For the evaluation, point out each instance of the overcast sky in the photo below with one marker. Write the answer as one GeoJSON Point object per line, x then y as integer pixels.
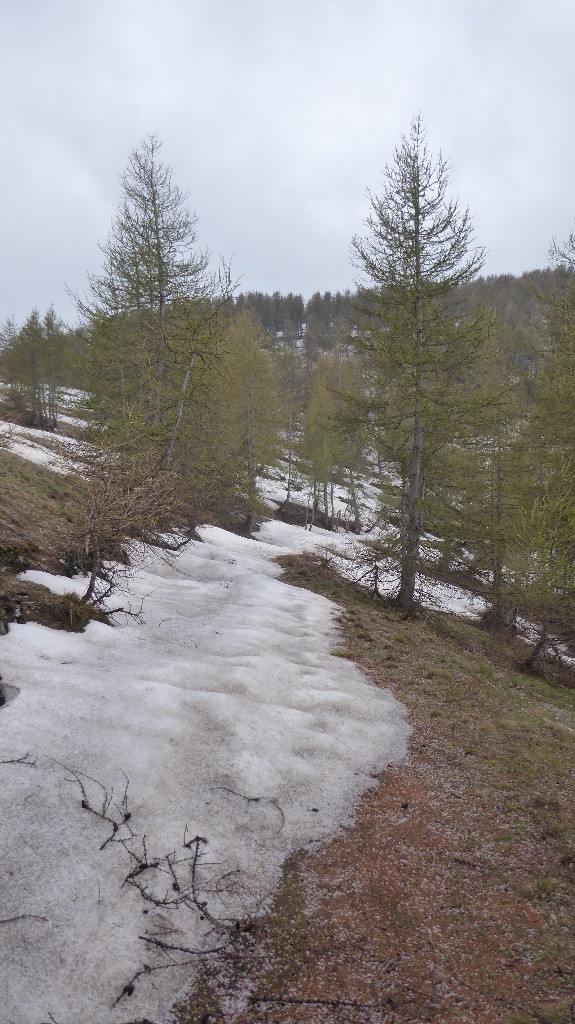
{"type": "Point", "coordinates": [276, 116]}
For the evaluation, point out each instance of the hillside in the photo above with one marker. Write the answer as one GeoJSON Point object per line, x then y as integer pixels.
{"type": "Point", "coordinates": [447, 894]}
{"type": "Point", "coordinates": [160, 764]}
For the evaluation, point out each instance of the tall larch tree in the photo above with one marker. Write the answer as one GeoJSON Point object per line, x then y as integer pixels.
{"type": "Point", "coordinates": [151, 311]}
{"type": "Point", "coordinates": [418, 250]}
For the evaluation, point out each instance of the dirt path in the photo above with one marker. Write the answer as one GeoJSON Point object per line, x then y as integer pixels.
{"type": "Point", "coordinates": [450, 896]}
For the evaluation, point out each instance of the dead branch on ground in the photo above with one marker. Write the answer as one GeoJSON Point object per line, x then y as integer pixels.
{"type": "Point", "coordinates": [25, 759]}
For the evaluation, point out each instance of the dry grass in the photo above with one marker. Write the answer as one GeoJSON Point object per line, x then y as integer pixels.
{"type": "Point", "coordinates": [451, 897]}
{"type": "Point", "coordinates": [39, 512]}
{"type": "Point", "coordinates": [40, 519]}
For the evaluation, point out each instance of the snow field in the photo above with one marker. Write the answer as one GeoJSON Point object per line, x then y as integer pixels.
{"type": "Point", "coordinates": [227, 713]}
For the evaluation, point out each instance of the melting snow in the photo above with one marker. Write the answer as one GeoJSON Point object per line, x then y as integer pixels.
{"type": "Point", "coordinates": [227, 713]}
{"type": "Point", "coordinates": [29, 443]}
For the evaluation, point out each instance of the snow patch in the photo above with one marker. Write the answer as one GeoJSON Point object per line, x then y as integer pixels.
{"type": "Point", "coordinates": [228, 713]}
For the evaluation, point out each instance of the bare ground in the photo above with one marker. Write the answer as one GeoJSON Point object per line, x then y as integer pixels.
{"type": "Point", "coordinates": [450, 896]}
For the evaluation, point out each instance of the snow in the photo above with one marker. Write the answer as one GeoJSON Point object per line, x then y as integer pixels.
{"type": "Point", "coordinates": [71, 398]}
{"type": "Point", "coordinates": [273, 490]}
{"type": "Point", "coordinates": [294, 538]}
{"type": "Point", "coordinates": [227, 712]}
{"type": "Point", "coordinates": [57, 584]}
{"type": "Point", "coordinates": [72, 421]}
{"type": "Point", "coordinates": [431, 594]}
{"type": "Point", "coordinates": [27, 442]}
{"type": "Point", "coordinates": [20, 441]}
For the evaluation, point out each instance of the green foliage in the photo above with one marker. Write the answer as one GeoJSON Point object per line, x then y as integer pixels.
{"type": "Point", "coordinates": [151, 313]}
{"type": "Point", "coordinates": [35, 361]}
{"type": "Point", "coordinates": [238, 430]}
{"type": "Point", "coordinates": [544, 560]}
{"type": "Point", "coordinates": [418, 348]}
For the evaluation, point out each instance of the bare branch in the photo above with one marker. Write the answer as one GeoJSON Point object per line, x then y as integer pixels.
{"type": "Point", "coordinates": [25, 760]}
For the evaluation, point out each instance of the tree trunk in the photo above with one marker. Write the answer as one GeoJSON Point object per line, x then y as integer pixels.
{"type": "Point", "coordinates": [412, 525]}
{"type": "Point", "coordinates": [355, 504]}
{"type": "Point", "coordinates": [412, 528]}
{"type": "Point", "coordinates": [289, 462]}
{"type": "Point", "coordinates": [539, 648]}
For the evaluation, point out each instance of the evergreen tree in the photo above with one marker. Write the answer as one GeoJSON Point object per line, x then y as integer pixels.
{"type": "Point", "coordinates": [418, 251]}
{"type": "Point", "coordinates": [484, 482]}
{"type": "Point", "coordinates": [152, 311]}
{"type": "Point", "coordinates": [292, 389]}
{"type": "Point", "coordinates": [332, 446]}
{"type": "Point", "coordinates": [239, 415]}
{"type": "Point", "coordinates": [35, 361]}
{"type": "Point", "coordinates": [319, 446]}
{"type": "Point", "coordinates": [544, 563]}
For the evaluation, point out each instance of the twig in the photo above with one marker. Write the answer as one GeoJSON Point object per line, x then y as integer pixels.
{"type": "Point", "coordinates": [180, 892]}
{"type": "Point", "coordinates": [470, 863]}
{"type": "Point", "coordinates": [255, 800]}
{"type": "Point", "coordinates": [148, 872]}
{"type": "Point", "coordinates": [23, 760]}
{"type": "Point", "coordinates": [179, 949]}
{"type": "Point", "coordinates": [530, 1011]}
{"type": "Point", "coordinates": [103, 812]}
{"type": "Point", "coordinates": [130, 986]}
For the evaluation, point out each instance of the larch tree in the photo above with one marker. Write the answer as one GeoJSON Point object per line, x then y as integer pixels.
{"type": "Point", "coordinates": [544, 565]}
{"type": "Point", "coordinates": [292, 383]}
{"type": "Point", "coordinates": [332, 446]}
{"type": "Point", "coordinates": [417, 346]}
{"type": "Point", "coordinates": [484, 478]}
{"type": "Point", "coordinates": [235, 423]}
{"type": "Point", "coordinates": [319, 445]}
{"type": "Point", "coordinates": [152, 310]}
{"type": "Point", "coordinates": [35, 360]}
{"type": "Point", "coordinates": [152, 322]}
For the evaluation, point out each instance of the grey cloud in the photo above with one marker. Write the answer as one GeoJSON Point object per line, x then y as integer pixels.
{"type": "Point", "coordinates": [276, 118]}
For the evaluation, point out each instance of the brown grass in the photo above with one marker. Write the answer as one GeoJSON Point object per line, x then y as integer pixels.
{"type": "Point", "coordinates": [39, 512]}
{"type": "Point", "coordinates": [40, 519]}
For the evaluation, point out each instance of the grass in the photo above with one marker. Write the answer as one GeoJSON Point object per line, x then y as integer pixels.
{"type": "Point", "coordinates": [40, 511]}
{"type": "Point", "coordinates": [41, 517]}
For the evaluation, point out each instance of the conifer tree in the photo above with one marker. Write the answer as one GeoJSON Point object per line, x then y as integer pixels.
{"type": "Point", "coordinates": [233, 425]}
{"type": "Point", "coordinates": [544, 563]}
{"type": "Point", "coordinates": [417, 347]}
{"type": "Point", "coordinates": [249, 406]}
{"type": "Point", "coordinates": [35, 360]}
{"type": "Point", "coordinates": [152, 310]}
{"type": "Point", "coordinates": [484, 483]}
{"type": "Point", "coordinates": [331, 444]}
{"type": "Point", "coordinates": [292, 390]}
{"type": "Point", "coordinates": [319, 445]}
